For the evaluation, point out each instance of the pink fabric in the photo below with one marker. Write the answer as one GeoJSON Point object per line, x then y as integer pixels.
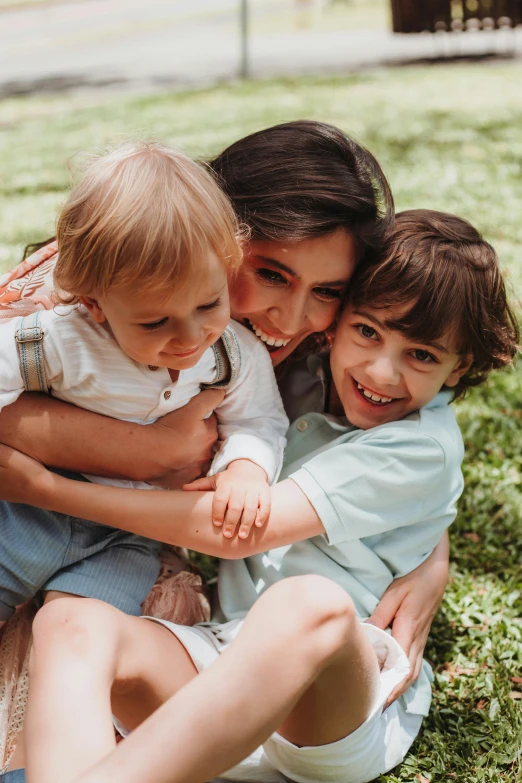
{"type": "Point", "coordinates": [29, 286]}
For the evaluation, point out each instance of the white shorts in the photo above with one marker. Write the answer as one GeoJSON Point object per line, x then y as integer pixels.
{"type": "Point", "coordinates": [377, 746]}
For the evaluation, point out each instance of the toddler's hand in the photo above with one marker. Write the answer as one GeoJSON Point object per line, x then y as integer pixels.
{"type": "Point", "coordinates": [242, 497]}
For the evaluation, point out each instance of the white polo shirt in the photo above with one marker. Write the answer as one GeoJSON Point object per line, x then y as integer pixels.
{"type": "Point", "coordinates": [86, 367]}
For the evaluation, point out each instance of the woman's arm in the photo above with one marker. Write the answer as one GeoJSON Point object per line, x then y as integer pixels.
{"type": "Point", "coordinates": [172, 451]}
{"type": "Point", "coordinates": [179, 518]}
{"type": "Point", "coordinates": [409, 606]}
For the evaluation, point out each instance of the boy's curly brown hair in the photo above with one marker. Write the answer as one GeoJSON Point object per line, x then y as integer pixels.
{"type": "Point", "coordinates": [438, 267]}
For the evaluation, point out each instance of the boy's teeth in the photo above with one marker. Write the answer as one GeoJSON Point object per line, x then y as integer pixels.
{"type": "Point", "coordinates": [266, 337]}
{"type": "Point", "coordinates": [373, 397]}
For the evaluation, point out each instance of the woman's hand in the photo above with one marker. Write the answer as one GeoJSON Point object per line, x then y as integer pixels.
{"type": "Point", "coordinates": [409, 606]}
{"type": "Point", "coordinates": [22, 478]}
{"type": "Point", "coordinates": [187, 440]}
{"type": "Point", "coordinates": [171, 452]}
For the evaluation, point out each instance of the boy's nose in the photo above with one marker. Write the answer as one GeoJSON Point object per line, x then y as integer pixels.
{"type": "Point", "coordinates": [384, 372]}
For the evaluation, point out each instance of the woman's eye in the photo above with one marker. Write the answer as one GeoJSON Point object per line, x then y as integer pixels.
{"type": "Point", "coordinates": [423, 356]}
{"type": "Point", "coordinates": [367, 331]}
{"type": "Point", "coordinates": [269, 276]}
{"type": "Point", "coordinates": [328, 294]}
{"type": "Point", "coordinates": [210, 305]}
{"type": "Point", "coordinates": [155, 324]}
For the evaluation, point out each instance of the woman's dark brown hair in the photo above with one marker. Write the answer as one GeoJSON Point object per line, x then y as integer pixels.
{"type": "Point", "coordinates": [304, 179]}
{"type": "Point", "coordinates": [446, 279]}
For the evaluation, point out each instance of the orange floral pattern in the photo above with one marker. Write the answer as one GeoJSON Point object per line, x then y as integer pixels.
{"type": "Point", "coordinates": [29, 286]}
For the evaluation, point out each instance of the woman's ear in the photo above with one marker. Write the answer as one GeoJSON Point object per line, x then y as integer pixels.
{"type": "Point", "coordinates": [466, 360]}
{"type": "Point", "coordinates": [94, 308]}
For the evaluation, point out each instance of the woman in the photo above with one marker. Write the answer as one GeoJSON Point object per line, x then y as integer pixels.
{"type": "Point", "coordinates": [316, 203]}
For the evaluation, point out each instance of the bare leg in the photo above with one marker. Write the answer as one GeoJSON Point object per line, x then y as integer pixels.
{"type": "Point", "coordinates": [18, 758]}
{"type": "Point", "coordinates": [270, 677]}
{"type": "Point", "coordinates": [77, 655]}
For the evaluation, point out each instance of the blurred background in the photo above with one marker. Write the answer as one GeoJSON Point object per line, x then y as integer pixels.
{"type": "Point", "coordinates": [434, 89]}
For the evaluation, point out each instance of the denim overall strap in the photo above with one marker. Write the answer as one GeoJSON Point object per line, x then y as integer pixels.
{"type": "Point", "coordinates": [228, 360]}
{"type": "Point", "coordinates": [29, 341]}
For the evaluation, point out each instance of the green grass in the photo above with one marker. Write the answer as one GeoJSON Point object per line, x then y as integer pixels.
{"type": "Point", "coordinates": [450, 138]}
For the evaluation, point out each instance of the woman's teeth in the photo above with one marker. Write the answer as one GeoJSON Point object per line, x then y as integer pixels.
{"type": "Point", "coordinates": [373, 397]}
{"type": "Point", "coordinates": [266, 337]}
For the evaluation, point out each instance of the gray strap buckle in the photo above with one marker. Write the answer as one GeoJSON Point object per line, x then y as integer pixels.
{"type": "Point", "coordinates": [29, 341]}
{"type": "Point", "coordinates": [228, 360]}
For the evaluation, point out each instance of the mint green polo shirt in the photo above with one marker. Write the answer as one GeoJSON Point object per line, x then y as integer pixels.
{"type": "Point", "coordinates": [384, 496]}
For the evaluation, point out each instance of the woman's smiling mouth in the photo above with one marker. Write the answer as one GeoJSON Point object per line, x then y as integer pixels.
{"type": "Point", "coordinates": [269, 340]}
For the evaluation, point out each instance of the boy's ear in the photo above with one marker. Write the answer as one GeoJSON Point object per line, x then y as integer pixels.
{"type": "Point", "coordinates": [94, 308]}
{"type": "Point", "coordinates": [466, 360]}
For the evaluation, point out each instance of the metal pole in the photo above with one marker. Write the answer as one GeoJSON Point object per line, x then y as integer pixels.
{"type": "Point", "coordinates": [245, 64]}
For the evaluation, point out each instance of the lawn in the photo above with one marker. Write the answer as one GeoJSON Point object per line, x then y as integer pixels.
{"type": "Point", "coordinates": [449, 137]}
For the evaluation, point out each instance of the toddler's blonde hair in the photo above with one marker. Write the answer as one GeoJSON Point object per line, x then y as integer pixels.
{"type": "Point", "coordinates": [142, 214]}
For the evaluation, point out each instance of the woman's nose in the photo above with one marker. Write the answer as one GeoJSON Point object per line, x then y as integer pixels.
{"type": "Point", "coordinates": [289, 316]}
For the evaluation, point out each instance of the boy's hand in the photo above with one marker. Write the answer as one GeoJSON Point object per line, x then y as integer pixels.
{"type": "Point", "coordinates": [242, 497]}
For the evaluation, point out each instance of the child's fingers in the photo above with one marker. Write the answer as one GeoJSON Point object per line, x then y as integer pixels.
{"type": "Point", "coordinates": [249, 515]}
{"type": "Point", "coordinates": [219, 505]}
{"type": "Point", "coordinates": [233, 514]}
{"type": "Point", "coordinates": [265, 504]}
{"type": "Point", "coordinates": [204, 484]}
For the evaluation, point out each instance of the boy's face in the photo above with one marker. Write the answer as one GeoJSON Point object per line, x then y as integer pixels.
{"type": "Point", "coordinates": [171, 329]}
{"type": "Point", "coordinates": [380, 374]}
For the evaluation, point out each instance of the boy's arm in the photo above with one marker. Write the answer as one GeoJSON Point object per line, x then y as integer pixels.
{"type": "Point", "coordinates": [389, 480]}
{"type": "Point", "coordinates": [252, 420]}
{"type": "Point", "coordinates": [241, 497]}
{"type": "Point", "coordinates": [179, 518]}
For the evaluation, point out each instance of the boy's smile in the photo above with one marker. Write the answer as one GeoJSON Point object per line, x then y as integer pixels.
{"type": "Point", "coordinates": [382, 375]}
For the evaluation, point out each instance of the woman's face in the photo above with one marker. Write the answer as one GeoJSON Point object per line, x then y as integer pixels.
{"type": "Point", "coordinates": [284, 292]}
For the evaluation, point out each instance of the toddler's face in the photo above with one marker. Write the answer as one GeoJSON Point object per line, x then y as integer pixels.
{"type": "Point", "coordinates": [380, 374]}
{"type": "Point", "coordinates": [170, 330]}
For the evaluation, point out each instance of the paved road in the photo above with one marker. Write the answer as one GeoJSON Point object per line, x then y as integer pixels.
{"type": "Point", "coordinates": [131, 44]}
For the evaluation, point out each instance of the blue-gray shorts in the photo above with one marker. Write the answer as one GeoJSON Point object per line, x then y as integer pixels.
{"type": "Point", "coordinates": [15, 776]}
{"type": "Point", "coordinates": [43, 550]}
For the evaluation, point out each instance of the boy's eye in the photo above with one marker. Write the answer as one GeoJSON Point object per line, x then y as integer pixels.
{"type": "Point", "coordinates": [367, 331]}
{"type": "Point", "coordinates": [270, 276]}
{"type": "Point", "coordinates": [328, 293]}
{"type": "Point", "coordinates": [210, 305]}
{"type": "Point", "coordinates": [423, 356]}
{"type": "Point", "coordinates": [155, 324]}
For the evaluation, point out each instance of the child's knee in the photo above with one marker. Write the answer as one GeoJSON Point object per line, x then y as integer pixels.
{"type": "Point", "coordinates": [78, 626]}
{"type": "Point", "coordinates": [316, 610]}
